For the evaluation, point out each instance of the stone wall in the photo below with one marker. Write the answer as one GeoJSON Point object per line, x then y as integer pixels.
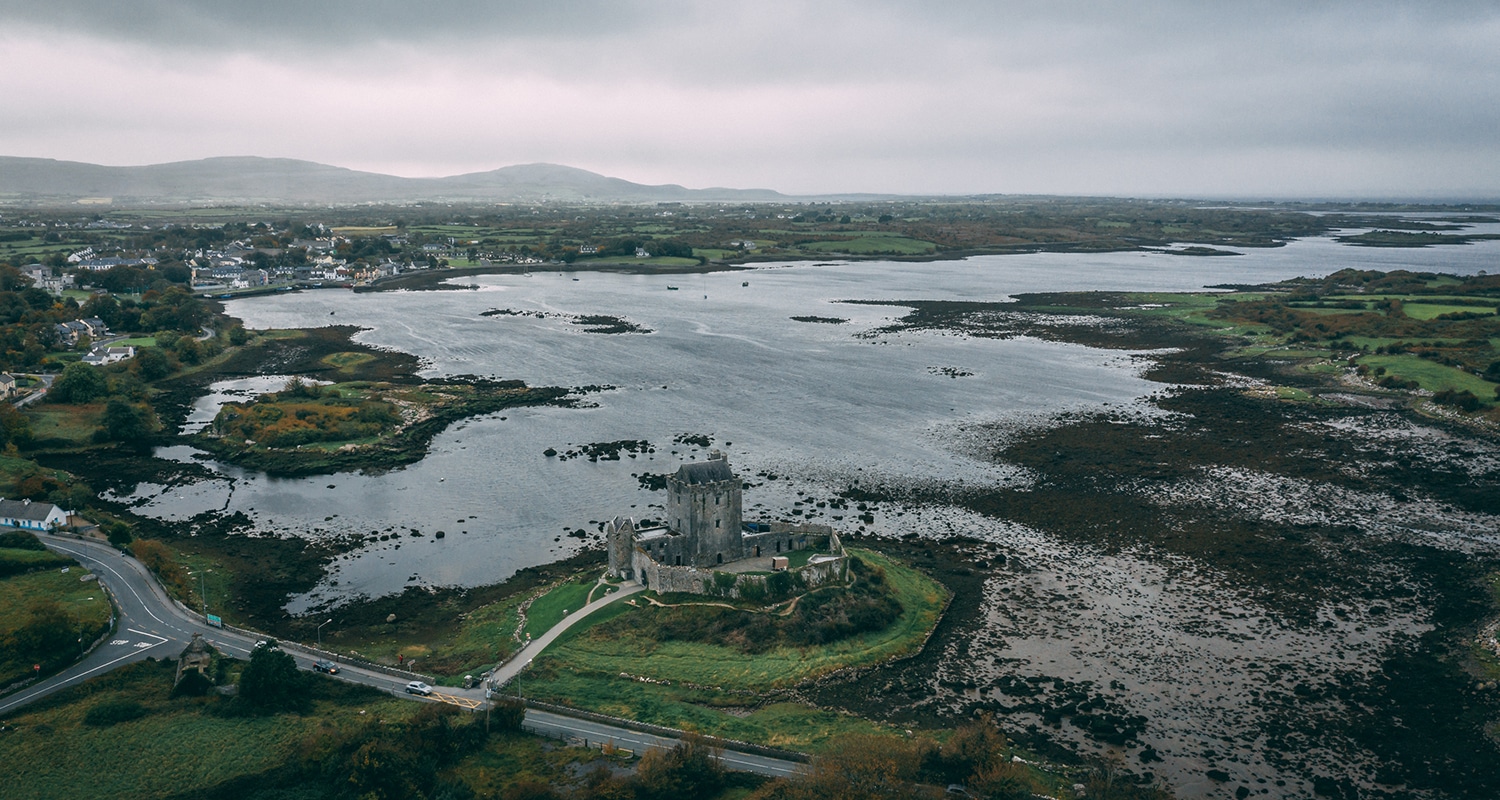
{"type": "Point", "coordinates": [663, 578]}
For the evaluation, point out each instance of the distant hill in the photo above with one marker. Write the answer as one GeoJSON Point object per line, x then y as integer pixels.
{"type": "Point", "coordinates": [282, 180]}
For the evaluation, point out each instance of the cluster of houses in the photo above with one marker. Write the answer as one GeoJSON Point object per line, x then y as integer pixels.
{"type": "Point", "coordinates": [71, 331]}
{"type": "Point", "coordinates": [42, 278]}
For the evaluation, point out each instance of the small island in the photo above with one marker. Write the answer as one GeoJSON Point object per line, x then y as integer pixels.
{"type": "Point", "coordinates": [309, 428]}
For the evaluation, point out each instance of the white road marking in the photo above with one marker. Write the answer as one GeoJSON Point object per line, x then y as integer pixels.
{"type": "Point", "coordinates": [76, 678]}
{"type": "Point", "coordinates": [126, 583]}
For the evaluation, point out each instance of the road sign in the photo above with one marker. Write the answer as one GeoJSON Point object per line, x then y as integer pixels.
{"type": "Point", "coordinates": [214, 620]}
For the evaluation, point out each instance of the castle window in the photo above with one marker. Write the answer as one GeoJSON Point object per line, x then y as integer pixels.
{"type": "Point", "coordinates": [716, 523]}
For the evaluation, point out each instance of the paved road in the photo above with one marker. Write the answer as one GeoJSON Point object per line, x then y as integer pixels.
{"type": "Point", "coordinates": [522, 659]}
{"type": "Point", "coordinates": [150, 624]}
{"type": "Point", "coordinates": [46, 380]}
{"type": "Point", "coordinates": [593, 734]}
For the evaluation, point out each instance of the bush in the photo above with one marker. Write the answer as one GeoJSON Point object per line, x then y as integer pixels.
{"type": "Point", "coordinates": [271, 682]}
{"type": "Point", "coordinates": [691, 769]}
{"type": "Point", "coordinates": [193, 684]}
{"type": "Point", "coordinates": [1463, 401]}
{"type": "Point", "coordinates": [114, 712]}
{"type": "Point", "coordinates": [20, 540]}
{"type": "Point", "coordinates": [508, 715]}
{"type": "Point", "coordinates": [120, 535]}
{"type": "Point", "coordinates": [80, 383]}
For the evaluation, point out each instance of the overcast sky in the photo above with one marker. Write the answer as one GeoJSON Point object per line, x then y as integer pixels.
{"type": "Point", "coordinates": [1270, 99]}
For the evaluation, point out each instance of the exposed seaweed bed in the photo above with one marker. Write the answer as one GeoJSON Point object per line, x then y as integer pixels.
{"type": "Point", "coordinates": [1231, 591]}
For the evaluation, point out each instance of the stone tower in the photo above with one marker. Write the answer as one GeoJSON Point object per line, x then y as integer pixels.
{"type": "Point", "coordinates": [703, 506]}
{"type": "Point", "coordinates": [619, 536]}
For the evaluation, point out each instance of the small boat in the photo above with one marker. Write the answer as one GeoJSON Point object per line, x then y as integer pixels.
{"type": "Point", "coordinates": [671, 288]}
{"type": "Point", "coordinates": [575, 280]}
{"type": "Point", "coordinates": [746, 283]}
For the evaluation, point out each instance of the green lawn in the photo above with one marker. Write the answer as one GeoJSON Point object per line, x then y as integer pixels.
{"type": "Point", "coordinates": [136, 341]}
{"type": "Point", "coordinates": [550, 608]}
{"type": "Point", "coordinates": [1430, 374]}
{"type": "Point", "coordinates": [922, 600]}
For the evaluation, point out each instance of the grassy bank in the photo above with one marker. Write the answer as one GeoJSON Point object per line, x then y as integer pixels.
{"type": "Point", "coordinates": [47, 616]}
{"type": "Point", "coordinates": [620, 661]}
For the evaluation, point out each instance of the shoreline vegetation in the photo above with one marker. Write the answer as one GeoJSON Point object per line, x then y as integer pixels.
{"type": "Point", "coordinates": [307, 429]}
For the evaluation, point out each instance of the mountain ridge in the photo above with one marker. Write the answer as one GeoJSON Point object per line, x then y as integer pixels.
{"type": "Point", "coordinates": [256, 179]}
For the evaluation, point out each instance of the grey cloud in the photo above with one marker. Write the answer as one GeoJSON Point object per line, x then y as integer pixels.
{"type": "Point", "coordinates": [335, 24]}
{"type": "Point", "coordinates": [978, 89]}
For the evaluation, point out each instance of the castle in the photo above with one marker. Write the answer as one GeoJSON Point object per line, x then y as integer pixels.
{"type": "Point", "coordinates": [705, 547]}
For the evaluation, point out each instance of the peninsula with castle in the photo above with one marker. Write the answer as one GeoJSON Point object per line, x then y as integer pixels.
{"type": "Point", "coordinates": [706, 547]}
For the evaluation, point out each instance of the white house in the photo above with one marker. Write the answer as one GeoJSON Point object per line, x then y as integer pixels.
{"type": "Point", "coordinates": [32, 516]}
{"type": "Point", "coordinates": [100, 356]}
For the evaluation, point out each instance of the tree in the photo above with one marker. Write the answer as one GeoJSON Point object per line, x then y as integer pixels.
{"type": "Point", "coordinates": [47, 635]}
{"type": "Point", "coordinates": [152, 363]}
{"type": "Point", "coordinates": [271, 682]}
{"type": "Point", "coordinates": [15, 428]}
{"type": "Point", "coordinates": [120, 535]}
{"type": "Point", "coordinates": [690, 769]}
{"type": "Point", "coordinates": [80, 383]}
{"type": "Point", "coordinates": [125, 422]}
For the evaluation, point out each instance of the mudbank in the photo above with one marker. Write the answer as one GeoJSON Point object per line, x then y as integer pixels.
{"type": "Point", "coordinates": [1232, 590]}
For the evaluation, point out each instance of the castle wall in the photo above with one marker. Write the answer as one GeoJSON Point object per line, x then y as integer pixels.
{"type": "Point", "coordinates": [663, 578]}
{"type": "Point", "coordinates": [782, 537]}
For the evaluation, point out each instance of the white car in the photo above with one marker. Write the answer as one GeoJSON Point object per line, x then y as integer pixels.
{"type": "Point", "coordinates": [418, 687]}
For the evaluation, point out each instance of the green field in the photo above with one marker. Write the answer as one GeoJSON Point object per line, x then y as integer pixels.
{"type": "Point", "coordinates": [83, 601]}
{"type": "Point", "coordinates": [1431, 375]}
{"type": "Point", "coordinates": [73, 423]}
{"type": "Point", "coordinates": [729, 715]}
{"type": "Point", "coordinates": [175, 749]}
{"type": "Point", "coordinates": [1423, 310]}
{"type": "Point", "coordinates": [550, 608]}
{"type": "Point", "coordinates": [873, 245]}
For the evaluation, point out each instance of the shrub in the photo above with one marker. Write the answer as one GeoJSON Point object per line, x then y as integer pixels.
{"type": "Point", "coordinates": [20, 540]}
{"type": "Point", "coordinates": [1464, 400]}
{"type": "Point", "coordinates": [271, 682]}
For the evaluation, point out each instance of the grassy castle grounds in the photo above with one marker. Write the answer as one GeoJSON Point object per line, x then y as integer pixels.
{"type": "Point", "coordinates": [687, 662]}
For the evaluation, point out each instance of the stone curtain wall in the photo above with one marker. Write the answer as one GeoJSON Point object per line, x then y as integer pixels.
{"type": "Point", "coordinates": [663, 578]}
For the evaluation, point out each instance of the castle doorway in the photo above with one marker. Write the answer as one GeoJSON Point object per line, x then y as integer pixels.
{"type": "Point", "coordinates": [757, 551]}
{"type": "Point", "coordinates": [720, 558]}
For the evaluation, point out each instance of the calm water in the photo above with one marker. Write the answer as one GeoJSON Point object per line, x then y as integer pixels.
{"type": "Point", "coordinates": [816, 403]}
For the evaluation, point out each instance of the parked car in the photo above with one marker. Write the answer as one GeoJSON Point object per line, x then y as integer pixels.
{"type": "Point", "coordinates": [418, 687]}
{"type": "Point", "coordinates": [324, 665]}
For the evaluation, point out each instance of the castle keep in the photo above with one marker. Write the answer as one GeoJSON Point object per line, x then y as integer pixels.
{"type": "Point", "coordinates": [705, 547]}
